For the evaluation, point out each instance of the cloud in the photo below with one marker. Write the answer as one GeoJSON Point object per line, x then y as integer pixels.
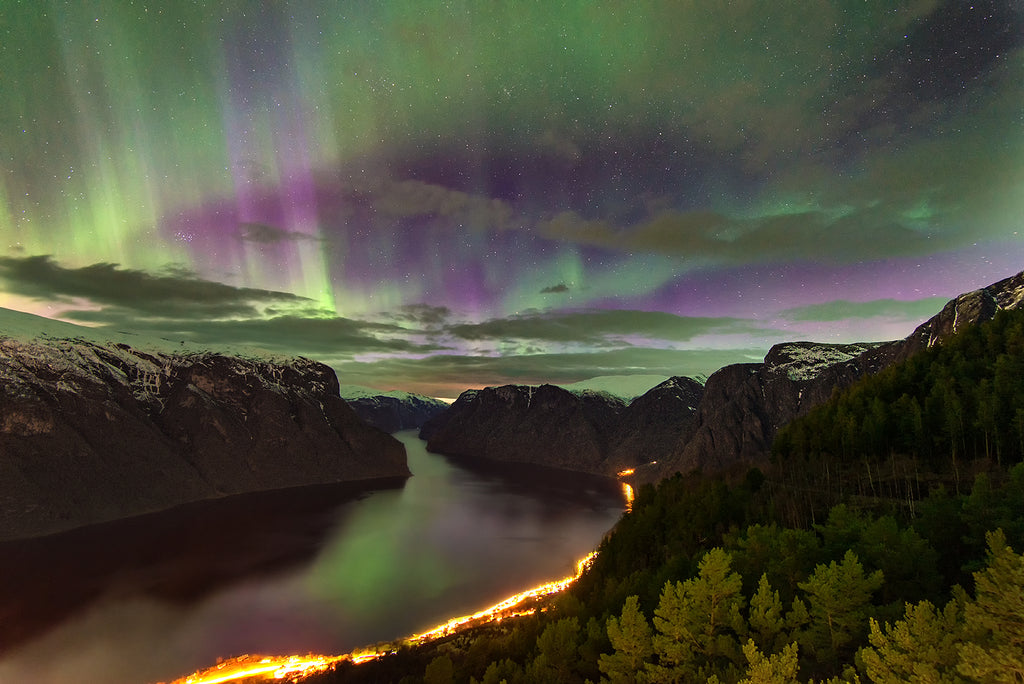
{"type": "Point", "coordinates": [551, 289]}
{"type": "Point", "coordinates": [174, 293]}
{"type": "Point", "coordinates": [448, 375]}
{"type": "Point", "coordinates": [420, 314]}
{"type": "Point", "coordinates": [303, 335]}
{"type": "Point", "coordinates": [414, 198]}
{"type": "Point", "coordinates": [266, 234]}
{"type": "Point", "coordinates": [840, 236]}
{"type": "Point", "coordinates": [841, 309]}
{"type": "Point", "coordinates": [599, 327]}
{"type": "Point", "coordinates": [288, 335]}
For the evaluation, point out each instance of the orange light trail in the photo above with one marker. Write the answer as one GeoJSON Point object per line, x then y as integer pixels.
{"type": "Point", "coordinates": [296, 668]}
{"type": "Point", "coordinates": [265, 668]}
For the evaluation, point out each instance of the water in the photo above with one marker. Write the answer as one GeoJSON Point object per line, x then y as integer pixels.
{"type": "Point", "coordinates": [155, 598]}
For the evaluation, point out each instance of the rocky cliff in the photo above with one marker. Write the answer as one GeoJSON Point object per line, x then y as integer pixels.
{"type": "Point", "coordinates": [970, 307]}
{"type": "Point", "coordinates": [92, 432]}
{"type": "Point", "coordinates": [744, 405]}
{"type": "Point", "coordinates": [393, 411]}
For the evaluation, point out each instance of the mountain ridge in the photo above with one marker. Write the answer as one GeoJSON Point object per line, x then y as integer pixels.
{"type": "Point", "coordinates": [729, 422]}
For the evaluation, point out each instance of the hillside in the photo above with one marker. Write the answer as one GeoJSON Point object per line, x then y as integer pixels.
{"type": "Point", "coordinates": [704, 580]}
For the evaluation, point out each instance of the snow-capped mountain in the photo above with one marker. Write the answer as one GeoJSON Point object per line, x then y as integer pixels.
{"type": "Point", "coordinates": [392, 410]}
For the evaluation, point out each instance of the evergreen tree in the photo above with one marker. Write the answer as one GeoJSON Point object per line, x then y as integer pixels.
{"type": "Point", "coordinates": [778, 668]}
{"type": "Point", "coordinates": [698, 622]}
{"type": "Point", "coordinates": [839, 598]}
{"type": "Point", "coordinates": [630, 635]}
{"type": "Point", "coordinates": [919, 649]}
{"type": "Point", "coordinates": [557, 657]}
{"type": "Point", "coordinates": [507, 671]}
{"type": "Point", "coordinates": [995, 618]}
{"type": "Point", "coordinates": [440, 670]}
{"type": "Point", "coordinates": [767, 623]}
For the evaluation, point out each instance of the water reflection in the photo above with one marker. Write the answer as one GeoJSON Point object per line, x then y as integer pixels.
{"type": "Point", "coordinates": [454, 539]}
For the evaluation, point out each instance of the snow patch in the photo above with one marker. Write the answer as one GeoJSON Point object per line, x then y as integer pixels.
{"type": "Point", "coordinates": [802, 361]}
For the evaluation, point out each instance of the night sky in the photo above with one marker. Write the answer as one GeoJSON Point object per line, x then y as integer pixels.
{"type": "Point", "coordinates": [433, 196]}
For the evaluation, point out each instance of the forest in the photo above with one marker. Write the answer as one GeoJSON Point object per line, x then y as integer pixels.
{"type": "Point", "coordinates": [881, 544]}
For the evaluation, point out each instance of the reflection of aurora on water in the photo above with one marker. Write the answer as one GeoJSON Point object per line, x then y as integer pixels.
{"type": "Point", "coordinates": [295, 668]}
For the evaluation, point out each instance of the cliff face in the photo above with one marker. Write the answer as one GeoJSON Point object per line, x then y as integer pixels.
{"type": "Point", "coordinates": [546, 425]}
{"type": "Point", "coordinates": [744, 405]}
{"type": "Point", "coordinates": [92, 432]}
{"type": "Point", "coordinates": [396, 411]}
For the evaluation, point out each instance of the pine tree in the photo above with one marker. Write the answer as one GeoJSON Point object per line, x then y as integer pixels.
{"type": "Point", "coordinates": [698, 621]}
{"type": "Point", "coordinates": [507, 671]}
{"type": "Point", "coordinates": [439, 671]}
{"type": "Point", "coordinates": [778, 668]}
{"type": "Point", "coordinates": [839, 596]}
{"type": "Point", "coordinates": [558, 645]}
{"type": "Point", "coordinates": [919, 649]}
{"type": "Point", "coordinates": [995, 617]}
{"type": "Point", "coordinates": [767, 623]}
{"type": "Point", "coordinates": [630, 635]}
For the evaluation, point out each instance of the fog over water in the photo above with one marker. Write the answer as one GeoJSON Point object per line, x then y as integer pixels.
{"type": "Point", "coordinates": [158, 597]}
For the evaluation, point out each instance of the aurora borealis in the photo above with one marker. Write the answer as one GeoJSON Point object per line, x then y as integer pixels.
{"type": "Point", "coordinates": [433, 196]}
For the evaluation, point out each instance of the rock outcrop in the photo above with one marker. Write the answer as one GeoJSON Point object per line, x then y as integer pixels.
{"type": "Point", "coordinates": [394, 411]}
{"type": "Point", "coordinates": [91, 432]}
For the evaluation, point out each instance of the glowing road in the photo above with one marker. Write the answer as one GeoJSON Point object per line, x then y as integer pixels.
{"type": "Point", "coordinates": [294, 668]}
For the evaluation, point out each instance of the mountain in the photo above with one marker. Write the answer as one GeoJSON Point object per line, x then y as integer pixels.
{"type": "Point", "coordinates": [394, 410]}
{"type": "Point", "coordinates": [744, 405]}
{"type": "Point", "coordinates": [679, 425]}
{"type": "Point", "coordinates": [656, 424]}
{"type": "Point", "coordinates": [93, 431]}
{"type": "Point", "coordinates": [626, 387]}
{"type": "Point", "coordinates": [546, 424]}
{"type": "Point", "coordinates": [972, 307]}
{"type": "Point", "coordinates": [584, 430]}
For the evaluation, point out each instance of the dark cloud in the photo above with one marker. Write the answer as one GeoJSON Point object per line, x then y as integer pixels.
{"type": "Point", "coordinates": [303, 335]}
{"type": "Point", "coordinates": [266, 234]}
{"type": "Point", "coordinates": [840, 237]}
{"type": "Point", "coordinates": [446, 375]}
{"type": "Point", "coordinates": [172, 294]}
{"type": "Point", "coordinates": [599, 327]}
{"type": "Point", "coordinates": [415, 198]}
{"type": "Point", "coordinates": [288, 335]}
{"type": "Point", "coordinates": [841, 309]}
{"type": "Point", "coordinates": [420, 314]}
{"type": "Point", "coordinates": [551, 289]}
